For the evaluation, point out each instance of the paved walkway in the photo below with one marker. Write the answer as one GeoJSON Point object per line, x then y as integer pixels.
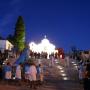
{"type": "Point", "coordinates": [63, 77]}
{"type": "Point", "coordinates": [60, 77]}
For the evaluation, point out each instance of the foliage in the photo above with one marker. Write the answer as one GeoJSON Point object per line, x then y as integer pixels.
{"type": "Point", "coordinates": [19, 35]}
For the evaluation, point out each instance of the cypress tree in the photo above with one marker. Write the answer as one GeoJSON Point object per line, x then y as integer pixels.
{"type": "Point", "coordinates": [19, 35]}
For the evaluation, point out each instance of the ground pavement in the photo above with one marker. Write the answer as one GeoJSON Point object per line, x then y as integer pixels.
{"type": "Point", "coordinates": [60, 76]}
{"type": "Point", "coordinates": [63, 77]}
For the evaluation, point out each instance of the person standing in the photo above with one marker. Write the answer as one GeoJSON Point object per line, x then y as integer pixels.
{"type": "Point", "coordinates": [52, 60]}
{"type": "Point", "coordinates": [26, 69]}
{"type": "Point", "coordinates": [86, 81]}
{"type": "Point", "coordinates": [40, 73]}
{"type": "Point", "coordinates": [8, 72]}
{"type": "Point", "coordinates": [1, 72]}
{"type": "Point", "coordinates": [81, 71]}
{"type": "Point", "coordinates": [18, 73]}
{"type": "Point", "coordinates": [26, 72]}
{"type": "Point", "coordinates": [67, 60]}
{"type": "Point", "coordinates": [32, 75]}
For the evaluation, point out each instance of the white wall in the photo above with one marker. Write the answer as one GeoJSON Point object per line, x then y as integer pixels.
{"type": "Point", "coordinates": [8, 45]}
{"type": "Point", "coordinates": [5, 44]}
{"type": "Point", "coordinates": [2, 44]}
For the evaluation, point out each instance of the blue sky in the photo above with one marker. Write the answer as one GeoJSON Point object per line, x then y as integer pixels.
{"type": "Point", "coordinates": [65, 22]}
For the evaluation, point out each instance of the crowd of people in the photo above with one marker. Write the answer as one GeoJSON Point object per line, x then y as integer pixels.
{"type": "Point", "coordinates": [3, 56]}
{"type": "Point", "coordinates": [33, 75]}
{"type": "Point", "coordinates": [29, 72]}
{"type": "Point", "coordinates": [84, 74]}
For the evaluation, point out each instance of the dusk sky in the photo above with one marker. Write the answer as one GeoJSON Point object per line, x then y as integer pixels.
{"type": "Point", "coordinates": [66, 23]}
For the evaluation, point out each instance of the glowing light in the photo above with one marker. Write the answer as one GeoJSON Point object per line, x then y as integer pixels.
{"type": "Point", "coordinates": [62, 71]}
{"type": "Point", "coordinates": [6, 59]}
{"type": "Point", "coordinates": [14, 78]}
{"type": "Point", "coordinates": [3, 63]}
{"type": "Point", "coordinates": [56, 51]}
{"type": "Point", "coordinates": [60, 56]}
{"type": "Point", "coordinates": [59, 67]}
{"type": "Point", "coordinates": [33, 46]}
{"type": "Point", "coordinates": [57, 62]}
{"type": "Point", "coordinates": [63, 74]}
{"type": "Point", "coordinates": [65, 78]}
{"type": "Point", "coordinates": [72, 62]}
{"type": "Point", "coordinates": [44, 46]}
{"type": "Point", "coordinates": [75, 64]}
{"type": "Point", "coordinates": [76, 67]}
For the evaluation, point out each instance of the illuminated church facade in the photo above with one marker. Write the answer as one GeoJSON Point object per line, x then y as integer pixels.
{"type": "Point", "coordinates": [44, 46]}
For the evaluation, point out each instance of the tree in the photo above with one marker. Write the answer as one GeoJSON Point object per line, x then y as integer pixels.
{"type": "Point", "coordinates": [10, 38]}
{"type": "Point", "coordinates": [19, 35]}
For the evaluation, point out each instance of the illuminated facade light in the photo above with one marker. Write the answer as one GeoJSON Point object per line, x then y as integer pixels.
{"type": "Point", "coordinates": [44, 46]}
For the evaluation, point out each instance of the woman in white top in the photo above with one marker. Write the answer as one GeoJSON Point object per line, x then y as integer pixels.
{"type": "Point", "coordinates": [32, 72]}
{"type": "Point", "coordinates": [18, 72]}
{"type": "Point", "coordinates": [32, 75]}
